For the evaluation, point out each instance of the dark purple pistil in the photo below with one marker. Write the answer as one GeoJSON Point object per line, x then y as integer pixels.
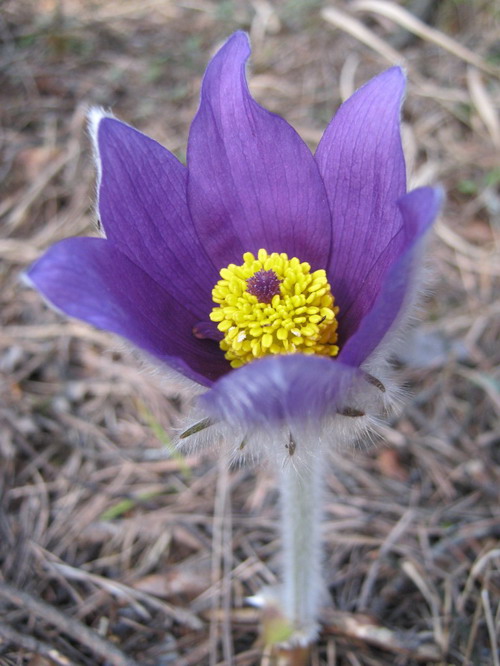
{"type": "Point", "coordinates": [264, 285]}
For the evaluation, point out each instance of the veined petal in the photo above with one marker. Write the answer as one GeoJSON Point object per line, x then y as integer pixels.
{"type": "Point", "coordinates": [143, 209]}
{"type": "Point", "coordinates": [90, 279]}
{"type": "Point", "coordinates": [362, 164]}
{"type": "Point", "coordinates": [278, 390]}
{"type": "Point", "coordinates": [253, 183]}
{"type": "Point", "coordinates": [419, 209]}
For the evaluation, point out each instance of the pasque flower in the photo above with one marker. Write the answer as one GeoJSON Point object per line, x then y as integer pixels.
{"type": "Point", "coordinates": [251, 184]}
{"type": "Point", "coordinates": [275, 278]}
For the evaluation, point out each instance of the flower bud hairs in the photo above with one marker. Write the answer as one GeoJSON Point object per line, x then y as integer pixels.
{"type": "Point", "coordinates": [275, 280]}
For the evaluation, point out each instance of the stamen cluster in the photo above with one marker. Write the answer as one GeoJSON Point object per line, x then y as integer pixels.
{"type": "Point", "coordinates": [300, 317]}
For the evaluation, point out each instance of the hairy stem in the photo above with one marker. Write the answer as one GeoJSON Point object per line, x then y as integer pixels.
{"type": "Point", "coordinates": [301, 490]}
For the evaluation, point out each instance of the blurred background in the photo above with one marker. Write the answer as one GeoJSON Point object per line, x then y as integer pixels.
{"type": "Point", "coordinates": [116, 549]}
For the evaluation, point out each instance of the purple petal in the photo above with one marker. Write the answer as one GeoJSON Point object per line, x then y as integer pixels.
{"type": "Point", "coordinates": [293, 389]}
{"type": "Point", "coordinates": [253, 183]}
{"type": "Point", "coordinates": [89, 279]}
{"type": "Point", "coordinates": [419, 209]}
{"type": "Point", "coordinates": [142, 204]}
{"type": "Point", "coordinates": [362, 164]}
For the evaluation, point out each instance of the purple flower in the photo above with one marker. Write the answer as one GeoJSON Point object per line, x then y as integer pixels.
{"type": "Point", "coordinates": [252, 184]}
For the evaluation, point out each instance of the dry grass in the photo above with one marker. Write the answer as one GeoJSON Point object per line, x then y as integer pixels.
{"type": "Point", "coordinates": [113, 551]}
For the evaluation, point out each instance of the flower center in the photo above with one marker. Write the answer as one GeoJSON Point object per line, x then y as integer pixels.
{"type": "Point", "coordinates": [264, 285]}
{"type": "Point", "coordinates": [274, 305]}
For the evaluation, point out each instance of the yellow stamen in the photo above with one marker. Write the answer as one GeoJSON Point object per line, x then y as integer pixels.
{"type": "Point", "coordinates": [274, 305]}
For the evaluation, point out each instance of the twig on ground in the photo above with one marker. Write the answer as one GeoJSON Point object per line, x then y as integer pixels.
{"type": "Point", "coordinates": [73, 628]}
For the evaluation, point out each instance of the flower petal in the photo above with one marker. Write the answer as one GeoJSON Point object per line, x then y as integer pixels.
{"type": "Point", "coordinates": [419, 209]}
{"type": "Point", "coordinates": [275, 390]}
{"type": "Point", "coordinates": [90, 279]}
{"type": "Point", "coordinates": [142, 205]}
{"type": "Point", "coordinates": [253, 183]}
{"type": "Point", "coordinates": [362, 164]}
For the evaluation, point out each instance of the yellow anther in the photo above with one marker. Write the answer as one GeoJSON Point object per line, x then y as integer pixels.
{"type": "Point", "coordinates": [274, 305]}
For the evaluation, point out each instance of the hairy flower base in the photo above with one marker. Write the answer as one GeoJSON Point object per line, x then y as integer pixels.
{"type": "Point", "coordinates": [274, 305]}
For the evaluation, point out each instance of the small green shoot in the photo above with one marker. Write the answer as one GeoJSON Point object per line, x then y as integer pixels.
{"type": "Point", "coordinates": [158, 431]}
{"type": "Point", "coordinates": [127, 504]}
